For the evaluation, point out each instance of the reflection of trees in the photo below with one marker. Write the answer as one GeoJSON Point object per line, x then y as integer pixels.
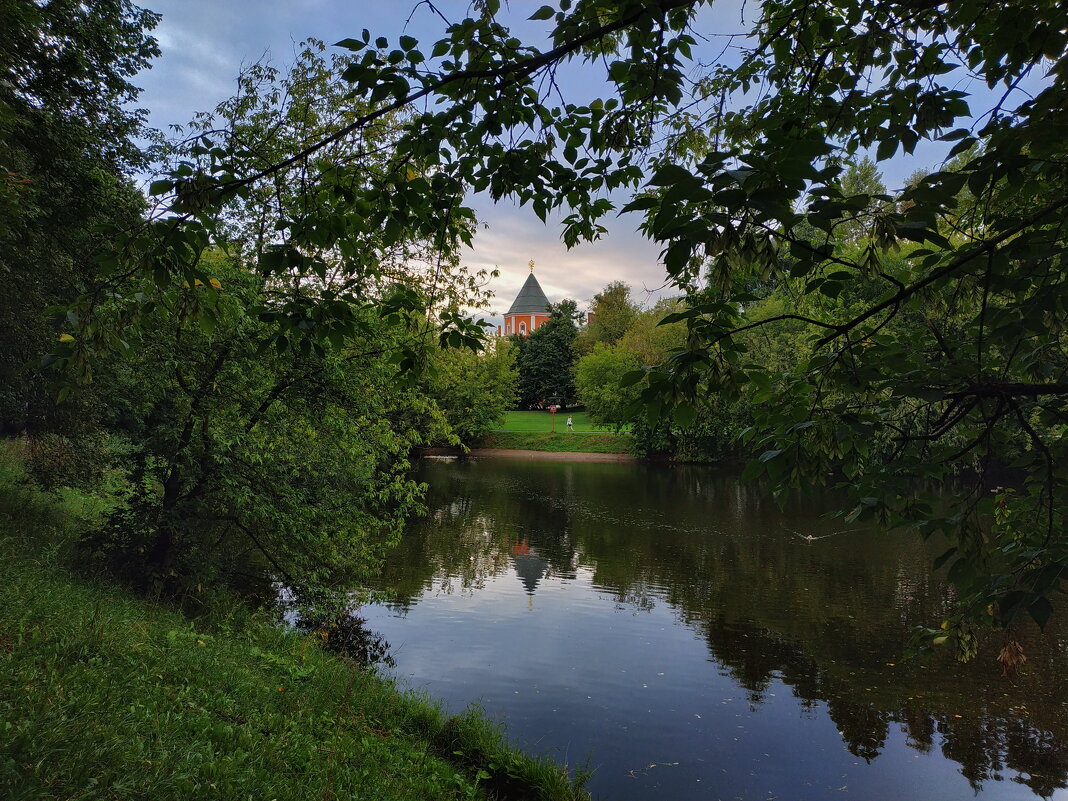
{"type": "Point", "coordinates": [824, 617]}
{"type": "Point", "coordinates": [479, 529]}
{"type": "Point", "coordinates": [1039, 755]}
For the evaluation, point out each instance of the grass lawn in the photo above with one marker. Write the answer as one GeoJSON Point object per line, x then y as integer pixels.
{"type": "Point", "coordinates": [542, 421]}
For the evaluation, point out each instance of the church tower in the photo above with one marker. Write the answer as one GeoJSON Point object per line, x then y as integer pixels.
{"type": "Point", "coordinates": [528, 311]}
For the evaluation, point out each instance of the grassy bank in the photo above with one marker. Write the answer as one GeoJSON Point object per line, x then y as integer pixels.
{"type": "Point", "coordinates": [543, 422]}
{"type": "Point", "coordinates": [107, 696]}
{"type": "Point", "coordinates": [564, 442]}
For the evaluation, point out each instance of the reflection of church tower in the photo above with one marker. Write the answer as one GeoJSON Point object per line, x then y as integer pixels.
{"type": "Point", "coordinates": [529, 566]}
{"type": "Point", "coordinates": [528, 311]}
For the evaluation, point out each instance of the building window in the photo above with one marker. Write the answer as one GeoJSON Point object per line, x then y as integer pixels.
{"type": "Point", "coordinates": [522, 329]}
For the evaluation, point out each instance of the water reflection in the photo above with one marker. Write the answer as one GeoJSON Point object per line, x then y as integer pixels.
{"type": "Point", "coordinates": [779, 601]}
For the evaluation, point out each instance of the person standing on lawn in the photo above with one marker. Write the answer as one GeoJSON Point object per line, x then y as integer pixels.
{"type": "Point", "coordinates": [569, 425]}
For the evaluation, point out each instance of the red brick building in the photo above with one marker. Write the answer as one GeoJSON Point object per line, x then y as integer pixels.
{"type": "Point", "coordinates": [528, 311]}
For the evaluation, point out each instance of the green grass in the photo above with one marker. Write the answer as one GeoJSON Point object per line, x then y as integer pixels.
{"type": "Point", "coordinates": [565, 442]}
{"type": "Point", "coordinates": [533, 431]}
{"type": "Point", "coordinates": [108, 696]}
{"type": "Point", "coordinates": [542, 421]}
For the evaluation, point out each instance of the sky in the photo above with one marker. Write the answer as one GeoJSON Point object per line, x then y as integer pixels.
{"type": "Point", "coordinates": [205, 43]}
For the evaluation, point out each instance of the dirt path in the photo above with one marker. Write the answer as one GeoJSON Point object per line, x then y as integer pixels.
{"type": "Point", "coordinates": [544, 456]}
{"type": "Point", "coordinates": [553, 456]}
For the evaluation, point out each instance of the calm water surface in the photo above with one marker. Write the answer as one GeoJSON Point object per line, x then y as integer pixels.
{"type": "Point", "coordinates": [673, 627]}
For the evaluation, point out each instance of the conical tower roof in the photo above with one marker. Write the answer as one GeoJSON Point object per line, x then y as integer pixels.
{"type": "Point", "coordinates": [531, 299]}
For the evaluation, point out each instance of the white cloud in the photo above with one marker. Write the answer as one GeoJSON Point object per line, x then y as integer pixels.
{"type": "Point", "coordinates": [514, 236]}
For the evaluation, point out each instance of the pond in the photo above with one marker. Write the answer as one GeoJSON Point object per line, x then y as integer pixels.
{"type": "Point", "coordinates": [675, 629]}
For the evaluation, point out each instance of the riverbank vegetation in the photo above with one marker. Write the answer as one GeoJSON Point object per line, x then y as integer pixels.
{"type": "Point", "coordinates": [104, 692]}
{"type": "Point", "coordinates": [560, 442]}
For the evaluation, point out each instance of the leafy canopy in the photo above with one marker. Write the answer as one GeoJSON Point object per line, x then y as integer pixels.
{"type": "Point", "coordinates": [950, 350]}
{"type": "Point", "coordinates": [545, 360]}
{"type": "Point", "coordinates": [67, 149]}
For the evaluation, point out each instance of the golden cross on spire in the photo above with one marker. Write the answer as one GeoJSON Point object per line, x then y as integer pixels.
{"type": "Point", "coordinates": [531, 263]}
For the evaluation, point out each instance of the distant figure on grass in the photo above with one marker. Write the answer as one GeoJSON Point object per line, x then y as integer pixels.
{"type": "Point", "coordinates": [569, 424]}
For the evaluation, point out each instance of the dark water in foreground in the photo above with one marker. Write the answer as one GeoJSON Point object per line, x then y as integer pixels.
{"type": "Point", "coordinates": [674, 627]}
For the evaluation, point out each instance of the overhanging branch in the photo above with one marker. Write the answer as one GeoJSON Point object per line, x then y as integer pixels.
{"type": "Point", "coordinates": [986, 247]}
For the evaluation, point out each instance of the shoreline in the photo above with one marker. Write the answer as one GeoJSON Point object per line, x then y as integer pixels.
{"type": "Point", "coordinates": [223, 683]}
{"type": "Point", "coordinates": [547, 456]}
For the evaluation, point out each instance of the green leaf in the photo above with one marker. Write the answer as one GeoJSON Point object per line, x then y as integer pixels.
{"type": "Point", "coordinates": [1040, 611]}
{"type": "Point", "coordinates": [962, 146]}
{"type": "Point", "coordinates": [685, 414]}
{"type": "Point", "coordinates": [542, 13]}
{"type": "Point", "coordinates": [1010, 604]}
{"type": "Point", "coordinates": [941, 560]}
{"type": "Point", "coordinates": [961, 573]}
{"type": "Point", "coordinates": [642, 203]}
{"type": "Point", "coordinates": [678, 256]}
{"type": "Point", "coordinates": [670, 174]}
{"type": "Point", "coordinates": [753, 469]}
{"type": "Point", "coordinates": [351, 44]}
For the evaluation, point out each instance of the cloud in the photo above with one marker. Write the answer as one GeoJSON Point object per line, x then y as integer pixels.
{"type": "Point", "coordinates": [514, 236]}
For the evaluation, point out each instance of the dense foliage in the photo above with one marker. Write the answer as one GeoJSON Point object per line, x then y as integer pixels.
{"type": "Point", "coordinates": [612, 313]}
{"type": "Point", "coordinates": [245, 457]}
{"type": "Point", "coordinates": [247, 381]}
{"type": "Point", "coordinates": [545, 360]}
{"type": "Point", "coordinates": [739, 175]}
{"type": "Point", "coordinates": [925, 326]}
{"type": "Point", "coordinates": [474, 390]}
{"type": "Point", "coordinates": [66, 153]}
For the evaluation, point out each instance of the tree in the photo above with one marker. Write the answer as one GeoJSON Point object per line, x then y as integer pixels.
{"type": "Point", "coordinates": [597, 377]}
{"type": "Point", "coordinates": [474, 390]}
{"type": "Point", "coordinates": [546, 359]}
{"type": "Point", "coordinates": [725, 177]}
{"type": "Point", "coordinates": [249, 464]}
{"type": "Point", "coordinates": [650, 339]}
{"type": "Point", "coordinates": [67, 151]}
{"type": "Point", "coordinates": [265, 369]}
{"type": "Point", "coordinates": [610, 317]}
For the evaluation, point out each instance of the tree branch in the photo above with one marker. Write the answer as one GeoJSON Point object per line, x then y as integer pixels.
{"type": "Point", "coordinates": [986, 247]}
{"type": "Point", "coordinates": [518, 68]}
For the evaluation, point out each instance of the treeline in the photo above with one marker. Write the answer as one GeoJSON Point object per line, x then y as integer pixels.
{"type": "Point", "coordinates": [625, 348]}
{"type": "Point", "coordinates": [622, 339]}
